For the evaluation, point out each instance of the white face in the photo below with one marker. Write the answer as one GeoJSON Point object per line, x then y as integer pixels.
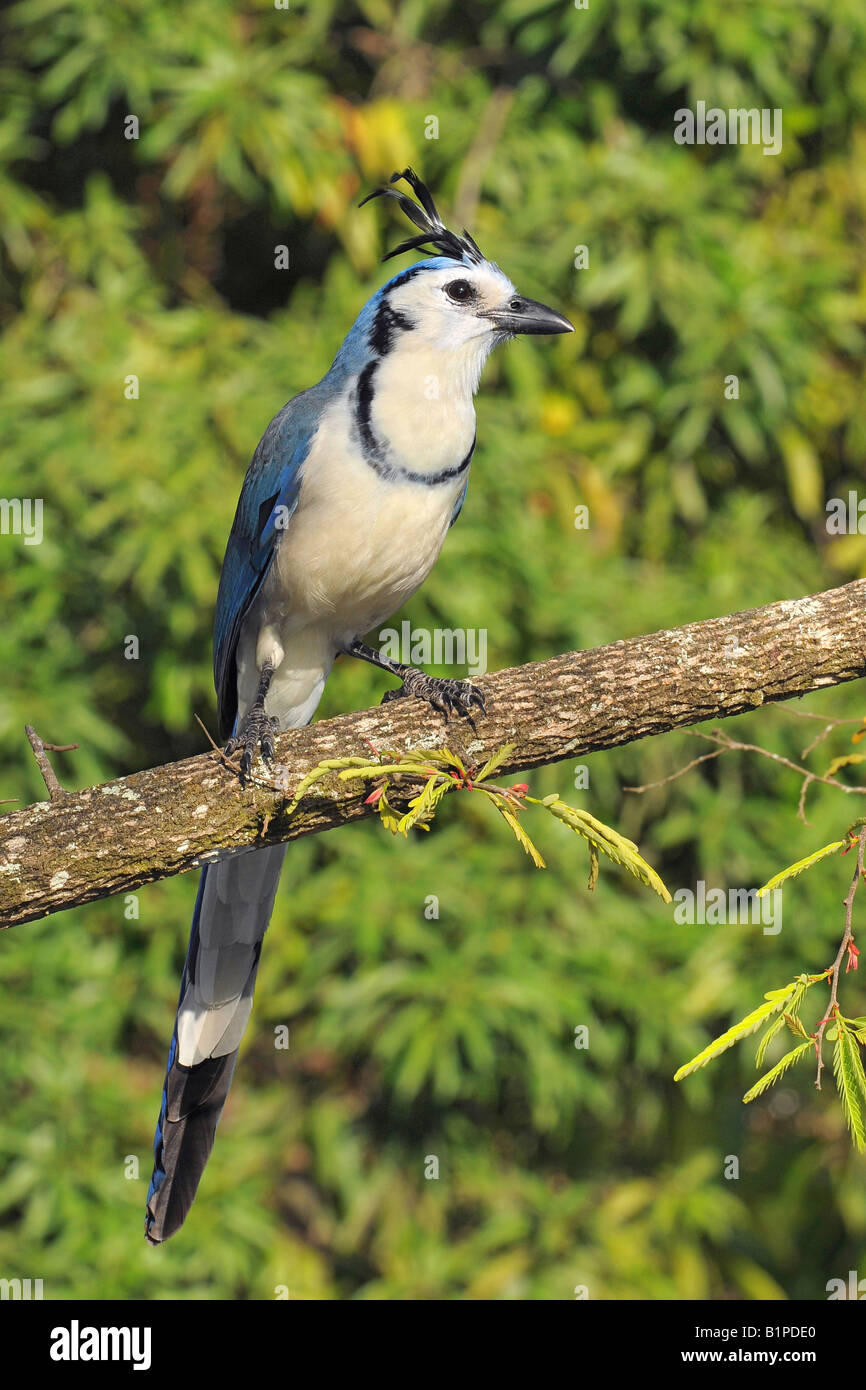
{"type": "Point", "coordinates": [448, 307]}
{"type": "Point", "coordinates": [472, 306]}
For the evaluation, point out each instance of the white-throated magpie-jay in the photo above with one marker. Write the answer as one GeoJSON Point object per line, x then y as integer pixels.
{"type": "Point", "coordinates": [341, 517]}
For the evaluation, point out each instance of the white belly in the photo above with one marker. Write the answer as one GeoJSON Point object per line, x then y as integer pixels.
{"type": "Point", "coordinates": [351, 559]}
{"type": "Point", "coordinates": [357, 547]}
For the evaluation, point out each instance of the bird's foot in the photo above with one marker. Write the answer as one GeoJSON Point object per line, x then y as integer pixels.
{"type": "Point", "coordinates": [256, 730]}
{"type": "Point", "coordinates": [446, 696]}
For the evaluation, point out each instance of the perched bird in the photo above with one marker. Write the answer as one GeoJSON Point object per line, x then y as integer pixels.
{"type": "Point", "coordinates": [341, 517]}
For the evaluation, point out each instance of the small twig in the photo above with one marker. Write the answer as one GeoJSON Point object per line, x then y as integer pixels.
{"type": "Point", "coordinates": [650, 786]}
{"type": "Point", "coordinates": [726, 744]}
{"type": "Point", "coordinates": [233, 765]}
{"type": "Point", "coordinates": [819, 738]}
{"type": "Point", "coordinates": [829, 726]}
{"type": "Point", "coordinates": [40, 748]}
{"type": "Point", "coordinates": [221, 752]}
{"type": "Point", "coordinates": [733, 745]}
{"type": "Point", "coordinates": [810, 714]}
{"type": "Point", "coordinates": [847, 937]}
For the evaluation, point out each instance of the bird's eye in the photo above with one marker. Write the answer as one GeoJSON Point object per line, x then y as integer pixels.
{"type": "Point", "coordinates": [460, 290]}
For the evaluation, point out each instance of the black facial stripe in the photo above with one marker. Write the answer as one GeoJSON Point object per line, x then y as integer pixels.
{"type": "Point", "coordinates": [407, 275]}
{"type": "Point", "coordinates": [364, 401]}
{"type": "Point", "coordinates": [387, 322]}
{"type": "Point", "coordinates": [376, 454]}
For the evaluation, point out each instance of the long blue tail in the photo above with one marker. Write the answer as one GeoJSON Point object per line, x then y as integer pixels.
{"type": "Point", "coordinates": [232, 911]}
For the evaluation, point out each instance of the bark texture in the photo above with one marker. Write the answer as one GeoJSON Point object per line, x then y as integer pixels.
{"type": "Point", "coordinates": [112, 838]}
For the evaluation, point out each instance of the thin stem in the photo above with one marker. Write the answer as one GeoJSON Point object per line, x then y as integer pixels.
{"type": "Point", "coordinates": [847, 938]}
{"type": "Point", "coordinates": [40, 750]}
{"type": "Point", "coordinates": [726, 744]}
{"type": "Point", "coordinates": [650, 786]}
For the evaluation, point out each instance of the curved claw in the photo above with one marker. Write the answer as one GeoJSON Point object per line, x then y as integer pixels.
{"type": "Point", "coordinates": [445, 696]}
{"type": "Point", "coordinates": [256, 730]}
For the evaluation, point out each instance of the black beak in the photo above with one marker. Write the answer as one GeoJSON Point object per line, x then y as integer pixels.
{"type": "Point", "coordinates": [521, 315]}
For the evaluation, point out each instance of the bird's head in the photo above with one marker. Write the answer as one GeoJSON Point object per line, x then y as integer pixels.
{"type": "Point", "coordinates": [457, 299]}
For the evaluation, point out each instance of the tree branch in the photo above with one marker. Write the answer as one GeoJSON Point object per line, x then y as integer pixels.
{"type": "Point", "coordinates": [112, 838]}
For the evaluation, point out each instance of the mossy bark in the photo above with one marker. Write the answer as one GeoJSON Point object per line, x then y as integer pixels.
{"type": "Point", "coordinates": [114, 837]}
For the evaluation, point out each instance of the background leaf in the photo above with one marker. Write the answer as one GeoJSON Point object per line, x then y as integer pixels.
{"type": "Point", "coordinates": [432, 987]}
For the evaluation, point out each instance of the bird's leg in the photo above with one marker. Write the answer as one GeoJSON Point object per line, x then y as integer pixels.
{"type": "Point", "coordinates": [256, 729]}
{"type": "Point", "coordinates": [444, 695]}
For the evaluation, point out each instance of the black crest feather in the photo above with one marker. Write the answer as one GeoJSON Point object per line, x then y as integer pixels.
{"type": "Point", "coordinates": [425, 216]}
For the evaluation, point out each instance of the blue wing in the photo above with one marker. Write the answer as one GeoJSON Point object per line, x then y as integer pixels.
{"type": "Point", "coordinates": [458, 505]}
{"type": "Point", "coordinates": [268, 499]}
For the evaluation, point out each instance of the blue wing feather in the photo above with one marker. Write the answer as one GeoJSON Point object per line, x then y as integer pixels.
{"type": "Point", "coordinates": [268, 499]}
{"type": "Point", "coordinates": [458, 505]}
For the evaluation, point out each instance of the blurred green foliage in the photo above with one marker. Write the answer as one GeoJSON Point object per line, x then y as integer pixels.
{"type": "Point", "coordinates": [412, 1037]}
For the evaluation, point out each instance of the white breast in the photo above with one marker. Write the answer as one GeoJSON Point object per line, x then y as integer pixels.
{"type": "Point", "coordinates": [356, 548]}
